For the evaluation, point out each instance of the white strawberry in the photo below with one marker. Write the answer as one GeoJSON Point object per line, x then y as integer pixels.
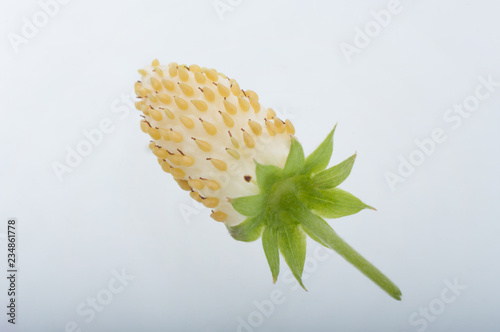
{"type": "Point", "coordinates": [243, 162]}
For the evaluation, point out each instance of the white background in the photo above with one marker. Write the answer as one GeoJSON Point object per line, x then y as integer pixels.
{"type": "Point", "coordinates": [117, 211]}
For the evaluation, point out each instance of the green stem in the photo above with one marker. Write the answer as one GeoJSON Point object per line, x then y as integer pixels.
{"type": "Point", "coordinates": [352, 256]}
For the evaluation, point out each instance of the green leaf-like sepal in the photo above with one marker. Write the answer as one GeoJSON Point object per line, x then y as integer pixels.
{"type": "Point", "coordinates": [331, 203]}
{"type": "Point", "coordinates": [295, 160]}
{"type": "Point", "coordinates": [335, 175]}
{"type": "Point", "coordinates": [249, 206]}
{"type": "Point", "coordinates": [292, 245]}
{"type": "Point", "coordinates": [248, 231]}
{"type": "Point", "coordinates": [290, 205]}
{"type": "Point", "coordinates": [319, 159]}
{"type": "Point", "coordinates": [271, 249]}
{"type": "Point", "coordinates": [267, 175]}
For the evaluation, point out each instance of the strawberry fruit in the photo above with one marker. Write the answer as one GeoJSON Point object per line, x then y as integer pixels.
{"type": "Point", "coordinates": [244, 163]}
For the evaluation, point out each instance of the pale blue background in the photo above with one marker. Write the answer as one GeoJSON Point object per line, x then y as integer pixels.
{"type": "Point", "coordinates": [117, 210]}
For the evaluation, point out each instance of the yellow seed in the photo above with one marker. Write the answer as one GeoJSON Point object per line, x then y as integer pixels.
{"type": "Point", "coordinates": [224, 91]}
{"type": "Point", "coordinates": [183, 74]}
{"type": "Point", "coordinates": [194, 195]}
{"type": "Point", "coordinates": [183, 184]}
{"type": "Point", "coordinates": [228, 120]}
{"type": "Point", "coordinates": [200, 105]}
{"type": "Point", "coordinates": [280, 126]}
{"type": "Point", "coordinates": [155, 63]}
{"type": "Point", "coordinates": [152, 98]}
{"type": "Point", "coordinates": [164, 99]}
{"type": "Point", "coordinates": [235, 88]}
{"type": "Point", "coordinates": [159, 71]}
{"type": "Point", "coordinates": [183, 105]}
{"type": "Point", "coordinates": [252, 94]}
{"type": "Point", "coordinates": [222, 75]}
{"type": "Point", "coordinates": [218, 216]}
{"type": "Point", "coordinates": [211, 74]}
{"type": "Point", "coordinates": [175, 136]}
{"type": "Point", "coordinates": [143, 92]}
{"type": "Point", "coordinates": [168, 113]}
{"type": "Point", "coordinates": [233, 153]}
{"type": "Point", "coordinates": [178, 173]}
{"type": "Point", "coordinates": [152, 145]}
{"type": "Point", "coordinates": [270, 113]}
{"type": "Point", "coordinates": [212, 185]}
{"type": "Point", "coordinates": [139, 105]}
{"type": "Point", "coordinates": [255, 104]}
{"type": "Point", "coordinates": [145, 109]}
{"type": "Point", "coordinates": [187, 122]}
{"type": "Point", "coordinates": [155, 84]}
{"type": "Point", "coordinates": [168, 84]}
{"type": "Point", "coordinates": [172, 71]}
{"type": "Point", "coordinates": [235, 142]}
{"type": "Point", "coordinates": [204, 146]}
{"type": "Point", "coordinates": [219, 164]}
{"type": "Point", "coordinates": [194, 68]}
{"type": "Point", "coordinates": [289, 127]}
{"type": "Point", "coordinates": [186, 89]}
{"type": "Point", "coordinates": [271, 128]}
{"type": "Point", "coordinates": [144, 126]}
{"type": "Point", "coordinates": [142, 72]}
{"type": "Point", "coordinates": [196, 184]}
{"type": "Point", "coordinates": [209, 128]}
{"type": "Point", "coordinates": [156, 115]}
{"type": "Point", "coordinates": [160, 153]}
{"type": "Point", "coordinates": [249, 142]}
{"type": "Point", "coordinates": [209, 95]}
{"type": "Point", "coordinates": [165, 134]}
{"type": "Point", "coordinates": [159, 160]}
{"type": "Point", "coordinates": [255, 126]}
{"type": "Point", "coordinates": [187, 161]}
{"type": "Point", "coordinates": [230, 108]}
{"type": "Point", "coordinates": [154, 133]}
{"type": "Point", "coordinates": [165, 167]}
{"type": "Point", "coordinates": [244, 104]}
{"type": "Point", "coordinates": [175, 159]}
{"type": "Point", "coordinates": [137, 87]}
{"type": "Point", "coordinates": [211, 202]}
{"type": "Point", "coordinates": [199, 77]}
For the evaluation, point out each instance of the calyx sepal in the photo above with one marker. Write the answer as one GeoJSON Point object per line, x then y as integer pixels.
{"type": "Point", "coordinates": [292, 204]}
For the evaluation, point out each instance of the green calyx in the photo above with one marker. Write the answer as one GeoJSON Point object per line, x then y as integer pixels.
{"type": "Point", "coordinates": [292, 204]}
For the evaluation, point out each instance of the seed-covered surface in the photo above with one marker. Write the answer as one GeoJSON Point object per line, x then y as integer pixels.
{"type": "Point", "coordinates": [206, 131]}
